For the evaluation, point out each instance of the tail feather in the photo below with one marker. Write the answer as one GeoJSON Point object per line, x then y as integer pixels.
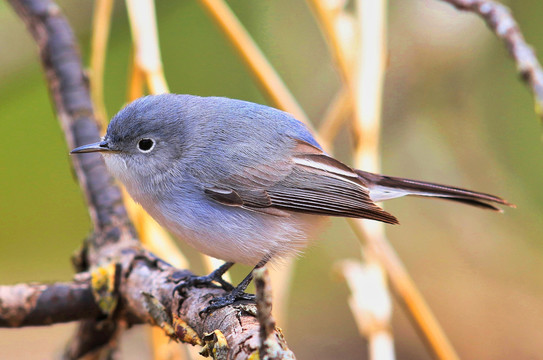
{"type": "Point", "coordinates": [388, 187]}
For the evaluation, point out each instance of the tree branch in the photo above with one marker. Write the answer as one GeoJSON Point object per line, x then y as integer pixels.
{"type": "Point", "coordinates": [68, 86]}
{"type": "Point", "coordinates": [93, 340]}
{"type": "Point", "coordinates": [45, 304]}
{"type": "Point", "coordinates": [499, 19]}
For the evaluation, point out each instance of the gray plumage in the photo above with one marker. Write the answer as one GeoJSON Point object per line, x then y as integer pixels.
{"type": "Point", "coordinates": [241, 181]}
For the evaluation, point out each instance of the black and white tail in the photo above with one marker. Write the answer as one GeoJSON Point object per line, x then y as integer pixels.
{"type": "Point", "coordinates": [387, 187]}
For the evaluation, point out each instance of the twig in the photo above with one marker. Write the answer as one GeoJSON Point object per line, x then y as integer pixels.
{"type": "Point", "coordinates": [269, 348]}
{"type": "Point", "coordinates": [499, 19]}
{"type": "Point", "coordinates": [93, 340]}
{"type": "Point", "coordinates": [370, 76]}
{"type": "Point", "coordinates": [332, 17]}
{"type": "Point", "coordinates": [136, 80]}
{"type": "Point", "coordinates": [147, 65]}
{"type": "Point", "coordinates": [45, 304]}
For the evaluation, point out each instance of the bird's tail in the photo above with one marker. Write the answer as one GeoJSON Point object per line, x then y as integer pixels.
{"type": "Point", "coordinates": [387, 187]}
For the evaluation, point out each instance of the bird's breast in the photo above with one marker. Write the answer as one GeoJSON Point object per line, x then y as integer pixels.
{"type": "Point", "coordinates": [231, 233]}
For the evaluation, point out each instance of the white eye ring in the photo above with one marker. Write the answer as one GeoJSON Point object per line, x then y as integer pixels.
{"type": "Point", "coordinates": [146, 145]}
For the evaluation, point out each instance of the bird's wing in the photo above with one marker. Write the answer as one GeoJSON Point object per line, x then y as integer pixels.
{"type": "Point", "coordinates": [309, 182]}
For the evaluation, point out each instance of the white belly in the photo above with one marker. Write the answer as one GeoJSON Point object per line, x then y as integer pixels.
{"type": "Point", "coordinates": [234, 234]}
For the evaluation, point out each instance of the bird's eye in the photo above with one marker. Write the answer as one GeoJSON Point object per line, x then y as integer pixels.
{"type": "Point", "coordinates": [146, 145]}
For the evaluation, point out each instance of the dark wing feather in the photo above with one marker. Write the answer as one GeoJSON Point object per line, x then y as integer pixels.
{"type": "Point", "coordinates": [318, 192]}
{"type": "Point", "coordinates": [309, 182]}
{"type": "Point", "coordinates": [258, 201]}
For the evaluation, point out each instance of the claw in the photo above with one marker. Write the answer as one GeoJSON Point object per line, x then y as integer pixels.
{"type": "Point", "coordinates": [215, 280]}
{"type": "Point", "coordinates": [210, 280]}
{"type": "Point", "coordinates": [228, 299]}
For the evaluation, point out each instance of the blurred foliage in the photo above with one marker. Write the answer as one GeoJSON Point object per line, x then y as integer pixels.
{"type": "Point", "coordinates": [454, 112]}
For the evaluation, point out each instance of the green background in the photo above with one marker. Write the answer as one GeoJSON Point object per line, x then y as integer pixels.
{"type": "Point", "coordinates": [454, 111]}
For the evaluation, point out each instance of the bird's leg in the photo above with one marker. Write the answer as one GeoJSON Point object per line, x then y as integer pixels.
{"type": "Point", "coordinates": [214, 277]}
{"type": "Point", "coordinates": [237, 293]}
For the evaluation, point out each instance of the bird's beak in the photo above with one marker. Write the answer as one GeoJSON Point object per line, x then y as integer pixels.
{"type": "Point", "coordinates": [101, 146]}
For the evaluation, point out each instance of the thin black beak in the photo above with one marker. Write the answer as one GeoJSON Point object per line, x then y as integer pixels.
{"type": "Point", "coordinates": [100, 146]}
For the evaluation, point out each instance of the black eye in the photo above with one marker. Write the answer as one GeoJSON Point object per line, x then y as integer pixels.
{"type": "Point", "coordinates": [146, 145]}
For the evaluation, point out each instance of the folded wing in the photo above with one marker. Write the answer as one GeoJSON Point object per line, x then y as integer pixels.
{"type": "Point", "coordinates": [310, 182]}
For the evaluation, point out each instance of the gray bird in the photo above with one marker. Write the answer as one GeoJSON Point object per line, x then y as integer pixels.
{"type": "Point", "coordinates": [243, 182]}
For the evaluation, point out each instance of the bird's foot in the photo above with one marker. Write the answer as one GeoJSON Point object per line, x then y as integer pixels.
{"type": "Point", "coordinates": [237, 294]}
{"type": "Point", "coordinates": [214, 279]}
{"type": "Point", "coordinates": [203, 281]}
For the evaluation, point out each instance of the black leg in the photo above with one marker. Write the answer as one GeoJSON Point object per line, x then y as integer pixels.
{"type": "Point", "coordinates": [238, 293]}
{"type": "Point", "coordinates": [214, 277]}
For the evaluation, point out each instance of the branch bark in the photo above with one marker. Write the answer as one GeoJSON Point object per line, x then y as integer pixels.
{"type": "Point", "coordinates": [138, 275]}
{"type": "Point", "coordinates": [45, 304]}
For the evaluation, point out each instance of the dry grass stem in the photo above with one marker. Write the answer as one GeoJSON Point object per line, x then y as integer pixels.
{"type": "Point", "coordinates": [337, 27]}
{"type": "Point", "coordinates": [371, 305]}
{"type": "Point", "coordinates": [367, 88]}
{"type": "Point", "coordinates": [367, 94]}
{"type": "Point", "coordinates": [334, 20]}
{"type": "Point", "coordinates": [212, 263]}
{"type": "Point", "coordinates": [336, 115]}
{"type": "Point", "coordinates": [147, 65]}
{"type": "Point", "coordinates": [408, 294]}
{"type": "Point", "coordinates": [136, 81]}
{"type": "Point", "coordinates": [100, 33]}
{"type": "Point", "coordinates": [152, 236]}
{"type": "Point", "coordinates": [160, 242]}
{"type": "Point", "coordinates": [369, 76]}
{"type": "Point", "coordinates": [365, 83]}
{"type": "Point", "coordinates": [145, 39]}
{"type": "Point", "coordinates": [147, 69]}
{"type": "Point", "coordinates": [253, 57]}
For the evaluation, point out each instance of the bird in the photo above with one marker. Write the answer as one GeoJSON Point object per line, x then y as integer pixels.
{"type": "Point", "coordinates": [243, 182]}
